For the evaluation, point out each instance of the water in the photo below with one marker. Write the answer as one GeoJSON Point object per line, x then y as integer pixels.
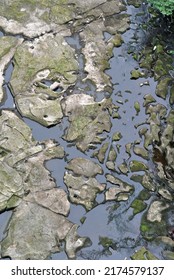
{"type": "Point", "coordinates": [105, 220]}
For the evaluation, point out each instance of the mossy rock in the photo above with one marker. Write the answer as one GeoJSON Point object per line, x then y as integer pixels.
{"type": "Point", "coordinates": [150, 230]}
{"type": "Point", "coordinates": [162, 87]}
{"type": "Point", "coordinates": [143, 254]}
{"type": "Point", "coordinates": [138, 206]}
{"type": "Point", "coordinates": [137, 166]}
{"type": "Point", "coordinates": [107, 242]}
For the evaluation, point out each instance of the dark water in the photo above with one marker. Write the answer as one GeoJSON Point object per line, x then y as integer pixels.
{"type": "Point", "coordinates": [103, 220]}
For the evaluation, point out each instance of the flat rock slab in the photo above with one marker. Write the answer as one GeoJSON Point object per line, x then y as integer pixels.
{"type": "Point", "coordinates": [88, 119]}
{"type": "Point", "coordinates": [40, 232]}
{"type": "Point", "coordinates": [86, 167]}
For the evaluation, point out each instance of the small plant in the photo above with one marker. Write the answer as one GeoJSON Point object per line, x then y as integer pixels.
{"type": "Point", "coordinates": [165, 7]}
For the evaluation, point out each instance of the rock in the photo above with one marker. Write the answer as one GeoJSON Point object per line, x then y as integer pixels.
{"type": "Point", "coordinates": [38, 229]}
{"type": "Point", "coordinates": [87, 121]}
{"type": "Point", "coordinates": [148, 98]}
{"type": "Point", "coordinates": [141, 152]}
{"type": "Point", "coordinates": [83, 190]}
{"type": "Point", "coordinates": [137, 107]}
{"type": "Point", "coordinates": [102, 152]}
{"type": "Point", "coordinates": [73, 242]}
{"type": "Point", "coordinates": [155, 211]}
{"type": "Point", "coordinates": [116, 136]}
{"type": "Point", "coordinates": [137, 166]}
{"type": "Point", "coordinates": [138, 205]}
{"type": "Point", "coordinates": [33, 99]}
{"type": "Point", "coordinates": [143, 254]}
{"type": "Point", "coordinates": [8, 46]}
{"type": "Point", "coordinates": [121, 190]}
{"type": "Point", "coordinates": [84, 167]}
{"type": "Point", "coordinates": [162, 87]}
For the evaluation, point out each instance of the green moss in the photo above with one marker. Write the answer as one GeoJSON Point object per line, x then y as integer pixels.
{"type": "Point", "coordinates": [144, 195]}
{"type": "Point", "coordinates": [135, 74]}
{"type": "Point", "coordinates": [138, 206]}
{"type": "Point", "coordinates": [143, 254]}
{"type": "Point", "coordinates": [106, 242]}
{"type": "Point", "coordinates": [150, 230]}
{"type": "Point", "coordinates": [137, 166]}
{"type": "Point", "coordinates": [6, 43]}
{"type": "Point", "coordinates": [162, 87]}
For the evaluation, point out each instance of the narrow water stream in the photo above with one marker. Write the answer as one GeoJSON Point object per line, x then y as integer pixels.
{"type": "Point", "coordinates": [102, 221]}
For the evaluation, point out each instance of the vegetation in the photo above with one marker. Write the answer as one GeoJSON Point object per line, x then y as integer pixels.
{"type": "Point", "coordinates": [165, 7]}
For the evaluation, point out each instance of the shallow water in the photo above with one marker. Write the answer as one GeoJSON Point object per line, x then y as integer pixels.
{"type": "Point", "coordinates": [102, 221]}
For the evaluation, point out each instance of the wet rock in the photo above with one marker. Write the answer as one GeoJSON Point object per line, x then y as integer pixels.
{"type": "Point", "coordinates": [54, 199]}
{"type": "Point", "coordinates": [116, 136]}
{"type": "Point", "coordinates": [84, 167]}
{"type": "Point", "coordinates": [97, 51]}
{"type": "Point", "coordinates": [112, 154]}
{"type": "Point", "coordinates": [148, 183]}
{"type": "Point", "coordinates": [165, 194]}
{"type": "Point", "coordinates": [137, 107]}
{"type": "Point", "coordinates": [162, 87]}
{"type": "Point", "coordinates": [141, 152]}
{"type": "Point", "coordinates": [83, 190]}
{"type": "Point", "coordinates": [135, 74]}
{"type": "Point", "coordinates": [102, 152]}
{"type": "Point", "coordinates": [148, 98]}
{"type": "Point", "coordinates": [155, 211]}
{"type": "Point", "coordinates": [38, 229]}
{"type": "Point", "coordinates": [8, 46]}
{"type": "Point", "coordinates": [74, 242]}
{"type": "Point", "coordinates": [121, 190]}
{"type": "Point", "coordinates": [27, 186]}
{"type": "Point", "coordinates": [123, 168]}
{"type": "Point", "coordinates": [11, 189]}
{"type": "Point", "coordinates": [48, 58]}
{"type": "Point", "coordinates": [143, 254]}
{"type": "Point", "coordinates": [107, 242]}
{"type": "Point", "coordinates": [137, 166]}
{"type": "Point", "coordinates": [88, 119]}
{"type": "Point", "coordinates": [138, 205]}
{"type": "Point", "coordinates": [34, 20]}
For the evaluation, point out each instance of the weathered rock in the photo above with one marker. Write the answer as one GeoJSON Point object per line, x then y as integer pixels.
{"type": "Point", "coordinates": [138, 205]}
{"type": "Point", "coordinates": [48, 58]}
{"type": "Point", "coordinates": [143, 254]}
{"type": "Point", "coordinates": [84, 167]}
{"type": "Point", "coordinates": [102, 152]}
{"type": "Point", "coordinates": [141, 152]}
{"type": "Point", "coordinates": [155, 211]}
{"type": "Point", "coordinates": [121, 190]}
{"type": "Point", "coordinates": [8, 46]}
{"type": "Point", "coordinates": [87, 119]}
{"type": "Point", "coordinates": [137, 166]}
{"type": "Point", "coordinates": [82, 186]}
{"type": "Point", "coordinates": [38, 229]}
{"type": "Point", "coordinates": [73, 242]}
